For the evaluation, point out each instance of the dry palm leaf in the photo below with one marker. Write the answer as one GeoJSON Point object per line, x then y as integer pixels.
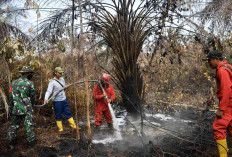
{"type": "Point", "coordinates": [5, 73]}
{"type": "Point", "coordinates": [4, 98]}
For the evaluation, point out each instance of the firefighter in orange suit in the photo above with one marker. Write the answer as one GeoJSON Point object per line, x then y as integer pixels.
{"type": "Point", "coordinates": [101, 100]}
{"type": "Point", "coordinates": [223, 119]}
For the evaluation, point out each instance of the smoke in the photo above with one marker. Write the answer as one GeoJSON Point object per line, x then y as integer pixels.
{"type": "Point", "coordinates": [143, 137]}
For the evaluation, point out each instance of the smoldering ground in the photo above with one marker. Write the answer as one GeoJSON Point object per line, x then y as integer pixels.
{"type": "Point", "coordinates": [182, 132]}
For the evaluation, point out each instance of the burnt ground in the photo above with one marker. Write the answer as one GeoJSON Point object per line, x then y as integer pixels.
{"type": "Point", "coordinates": [192, 138]}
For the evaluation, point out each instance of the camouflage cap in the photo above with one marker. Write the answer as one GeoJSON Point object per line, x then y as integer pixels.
{"type": "Point", "coordinates": [26, 69]}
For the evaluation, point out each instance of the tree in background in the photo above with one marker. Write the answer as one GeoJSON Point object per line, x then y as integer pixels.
{"type": "Point", "coordinates": [12, 42]}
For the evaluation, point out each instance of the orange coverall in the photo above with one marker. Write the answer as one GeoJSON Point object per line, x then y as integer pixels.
{"type": "Point", "coordinates": [224, 94]}
{"type": "Point", "coordinates": [100, 103]}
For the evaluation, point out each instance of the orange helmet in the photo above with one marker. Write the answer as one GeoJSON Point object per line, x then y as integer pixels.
{"type": "Point", "coordinates": [105, 77]}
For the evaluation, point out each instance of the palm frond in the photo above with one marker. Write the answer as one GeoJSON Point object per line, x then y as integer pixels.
{"type": "Point", "coordinates": [4, 98]}
{"type": "Point", "coordinates": [218, 12]}
{"type": "Point", "coordinates": [5, 73]}
{"type": "Point", "coordinates": [54, 26]}
{"type": "Point", "coordinates": [10, 30]}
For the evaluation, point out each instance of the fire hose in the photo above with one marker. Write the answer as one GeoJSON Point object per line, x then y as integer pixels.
{"type": "Point", "coordinates": [79, 82]}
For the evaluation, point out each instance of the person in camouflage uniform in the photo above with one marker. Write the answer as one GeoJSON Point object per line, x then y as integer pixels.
{"type": "Point", "coordinates": [22, 98]}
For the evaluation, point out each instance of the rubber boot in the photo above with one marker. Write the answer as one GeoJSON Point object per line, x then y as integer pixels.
{"type": "Point", "coordinates": [97, 130]}
{"type": "Point", "coordinates": [32, 144]}
{"type": "Point", "coordinates": [222, 147]}
{"type": "Point", "coordinates": [59, 124]}
{"type": "Point", "coordinates": [11, 144]}
{"type": "Point", "coordinates": [230, 149]}
{"type": "Point", "coordinates": [97, 127]}
{"type": "Point", "coordinates": [72, 123]}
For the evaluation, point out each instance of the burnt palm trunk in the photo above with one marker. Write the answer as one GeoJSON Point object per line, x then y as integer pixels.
{"type": "Point", "coordinates": [131, 87]}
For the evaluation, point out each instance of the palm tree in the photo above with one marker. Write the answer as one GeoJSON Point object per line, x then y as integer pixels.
{"type": "Point", "coordinates": [125, 33]}
{"type": "Point", "coordinates": [7, 30]}
{"type": "Point", "coordinates": [218, 13]}
{"type": "Point", "coordinates": [6, 26]}
{"type": "Point", "coordinates": [125, 29]}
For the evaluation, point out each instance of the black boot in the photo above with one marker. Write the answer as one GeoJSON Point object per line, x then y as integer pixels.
{"type": "Point", "coordinates": [97, 129]}
{"type": "Point", "coordinates": [32, 144]}
{"type": "Point", "coordinates": [11, 144]}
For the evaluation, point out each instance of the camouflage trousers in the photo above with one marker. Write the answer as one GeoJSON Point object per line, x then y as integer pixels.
{"type": "Point", "coordinates": [15, 123]}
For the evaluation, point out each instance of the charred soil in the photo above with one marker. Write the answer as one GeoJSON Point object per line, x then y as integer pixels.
{"type": "Point", "coordinates": [171, 138]}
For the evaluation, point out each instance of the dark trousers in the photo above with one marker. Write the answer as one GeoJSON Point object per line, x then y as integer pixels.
{"type": "Point", "coordinates": [61, 107]}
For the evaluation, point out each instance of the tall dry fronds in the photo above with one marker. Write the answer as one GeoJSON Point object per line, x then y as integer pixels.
{"type": "Point", "coordinates": [4, 98]}
{"type": "Point", "coordinates": [5, 73]}
{"type": "Point", "coordinates": [219, 13]}
{"type": "Point", "coordinates": [8, 30]}
{"type": "Point", "coordinates": [125, 34]}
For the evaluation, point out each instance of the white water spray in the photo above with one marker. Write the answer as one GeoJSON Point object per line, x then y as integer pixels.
{"type": "Point", "coordinates": [117, 133]}
{"type": "Point", "coordinates": [115, 122]}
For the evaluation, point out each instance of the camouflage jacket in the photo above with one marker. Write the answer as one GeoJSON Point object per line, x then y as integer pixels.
{"type": "Point", "coordinates": [22, 96]}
